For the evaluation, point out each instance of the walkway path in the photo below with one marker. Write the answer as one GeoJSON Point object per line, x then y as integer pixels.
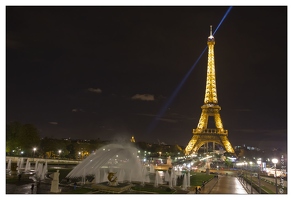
{"type": "Point", "coordinates": [225, 185]}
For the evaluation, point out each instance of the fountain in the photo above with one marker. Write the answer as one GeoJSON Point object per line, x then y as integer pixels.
{"type": "Point", "coordinates": [184, 184]}
{"type": "Point", "coordinates": [36, 166]}
{"type": "Point", "coordinates": [39, 171]}
{"type": "Point", "coordinates": [173, 177]}
{"type": "Point", "coordinates": [188, 179]}
{"type": "Point", "coordinates": [44, 171]}
{"type": "Point", "coordinates": [97, 177]}
{"type": "Point", "coordinates": [20, 167]}
{"type": "Point", "coordinates": [158, 179]}
{"type": "Point", "coordinates": [156, 184]}
{"type": "Point", "coordinates": [170, 182]}
{"type": "Point", "coordinates": [119, 165]}
{"type": "Point", "coordinates": [27, 166]}
{"type": "Point", "coordinates": [152, 168]}
{"type": "Point", "coordinates": [8, 169]}
{"type": "Point", "coordinates": [145, 174]}
{"type": "Point", "coordinates": [167, 176]}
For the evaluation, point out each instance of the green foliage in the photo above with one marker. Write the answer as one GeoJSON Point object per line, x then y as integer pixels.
{"type": "Point", "coordinates": [12, 132]}
{"type": "Point", "coordinates": [71, 151]}
{"type": "Point", "coordinates": [21, 138]}
{"type": "Point", "coordinates": [29, 137]}
{"type": "Point", "coordinates": [50, 147]}
{"type": "Point", "coordinates": [228, 163]}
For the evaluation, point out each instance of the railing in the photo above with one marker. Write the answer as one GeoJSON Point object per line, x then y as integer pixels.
{"type": "Point", "coordinates": [213, 131]}
{"type": "Point", "coordinates": [49, 161]}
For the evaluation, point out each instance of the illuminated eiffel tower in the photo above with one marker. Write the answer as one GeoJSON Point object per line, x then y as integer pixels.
{"type": "Point", "coordinates": [202, 134]}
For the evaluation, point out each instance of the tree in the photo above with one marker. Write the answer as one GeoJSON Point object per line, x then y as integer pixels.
{"type": "Point", "coordinates": [29, 137]}
{"type": "Point", "coordinates": [72, 154]}
{"type": "Point", "coordinates": [47, 147]}
{"type": "Point", "coordinates": [50, 147]}
{"type": "Point", "coordinates": [21, 138]}
{"type": "Point", "coordinates": [12, 133]}
{"type": "Point", "coordinates": [228, 163]}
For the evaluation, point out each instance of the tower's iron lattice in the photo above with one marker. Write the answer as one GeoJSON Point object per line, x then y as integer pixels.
{"type": "Point", "coordinates": [202, 134]}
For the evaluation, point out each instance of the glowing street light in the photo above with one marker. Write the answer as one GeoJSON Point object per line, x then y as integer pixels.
{"type": "Point", "coordinates": [59, 153]}
{"type": "Point", "coordinates": [34, 149]}
{"type": "Point", "coordinates": [275, 161]}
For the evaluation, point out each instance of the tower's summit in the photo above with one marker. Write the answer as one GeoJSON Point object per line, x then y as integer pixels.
{"type": "Point", "coordinates": [211, 37]}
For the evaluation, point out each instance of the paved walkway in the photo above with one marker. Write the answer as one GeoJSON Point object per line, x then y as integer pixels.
{"type": "Point", "coordinates": [225, 185]}
{"type": "Point", "coordinates": [228, 185]}
{"type": "Point", "coordinates": [43, 188]}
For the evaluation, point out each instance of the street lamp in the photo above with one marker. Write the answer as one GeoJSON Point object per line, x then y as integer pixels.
{"type": "Point", "coordinates": [34, 149]}
{"type": "Point", "coordinates": [59, 153]}
{"type": "Point", "coordinates": [250, 163]}
{"type": "Point", "coordinates": [259, 165]}
{"type": "Point", "coordinates": [275, 161]}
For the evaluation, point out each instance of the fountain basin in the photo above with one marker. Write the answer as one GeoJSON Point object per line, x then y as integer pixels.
{"type": "Point", "coordinates": [104, 187]}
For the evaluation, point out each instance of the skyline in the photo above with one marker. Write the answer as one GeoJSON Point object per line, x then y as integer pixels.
{"type": "Point", "coordinates": [108, 71]}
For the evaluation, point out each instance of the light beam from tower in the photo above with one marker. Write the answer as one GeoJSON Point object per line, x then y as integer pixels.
{"type": "Point", "coordinates": [170, 100]}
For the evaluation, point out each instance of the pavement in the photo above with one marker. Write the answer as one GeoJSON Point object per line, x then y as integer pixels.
{"type": "Point", "coordinates": [26, 188]}
{"type": "Point", "coordinates": [227, 185]}
{"type": "Point", "coordinates": [221, 185]}
{"type": "Point", "coordinates": [24, 185]}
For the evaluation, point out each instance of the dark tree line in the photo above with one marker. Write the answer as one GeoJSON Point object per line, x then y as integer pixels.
{"type": "Point", "coordinates": [21, 138]}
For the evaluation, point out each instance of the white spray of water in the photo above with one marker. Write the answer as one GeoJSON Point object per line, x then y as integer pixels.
{"type": "Point", "coordinates": [114, 158]}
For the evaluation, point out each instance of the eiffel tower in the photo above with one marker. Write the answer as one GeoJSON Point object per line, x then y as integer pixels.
{"type": "Point", "coordinates": [202, 134]}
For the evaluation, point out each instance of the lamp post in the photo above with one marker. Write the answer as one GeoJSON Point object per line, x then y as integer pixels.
{"type": "Point", "coordinates": [275, 161]}
{"type": "Point", "coordinates": [250, 163]}
{"type": "Point", "coordinates": [259, 165]}
{"type": "Point", "coordinates": [245, 167]}
{"type": "Point", "coordinates": [34, 149]}
{"type": "Point", "coordinates": [59, 153]}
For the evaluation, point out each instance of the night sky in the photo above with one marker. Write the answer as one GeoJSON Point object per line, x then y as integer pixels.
{"type": "Point", "coordinates": [89, 72]}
